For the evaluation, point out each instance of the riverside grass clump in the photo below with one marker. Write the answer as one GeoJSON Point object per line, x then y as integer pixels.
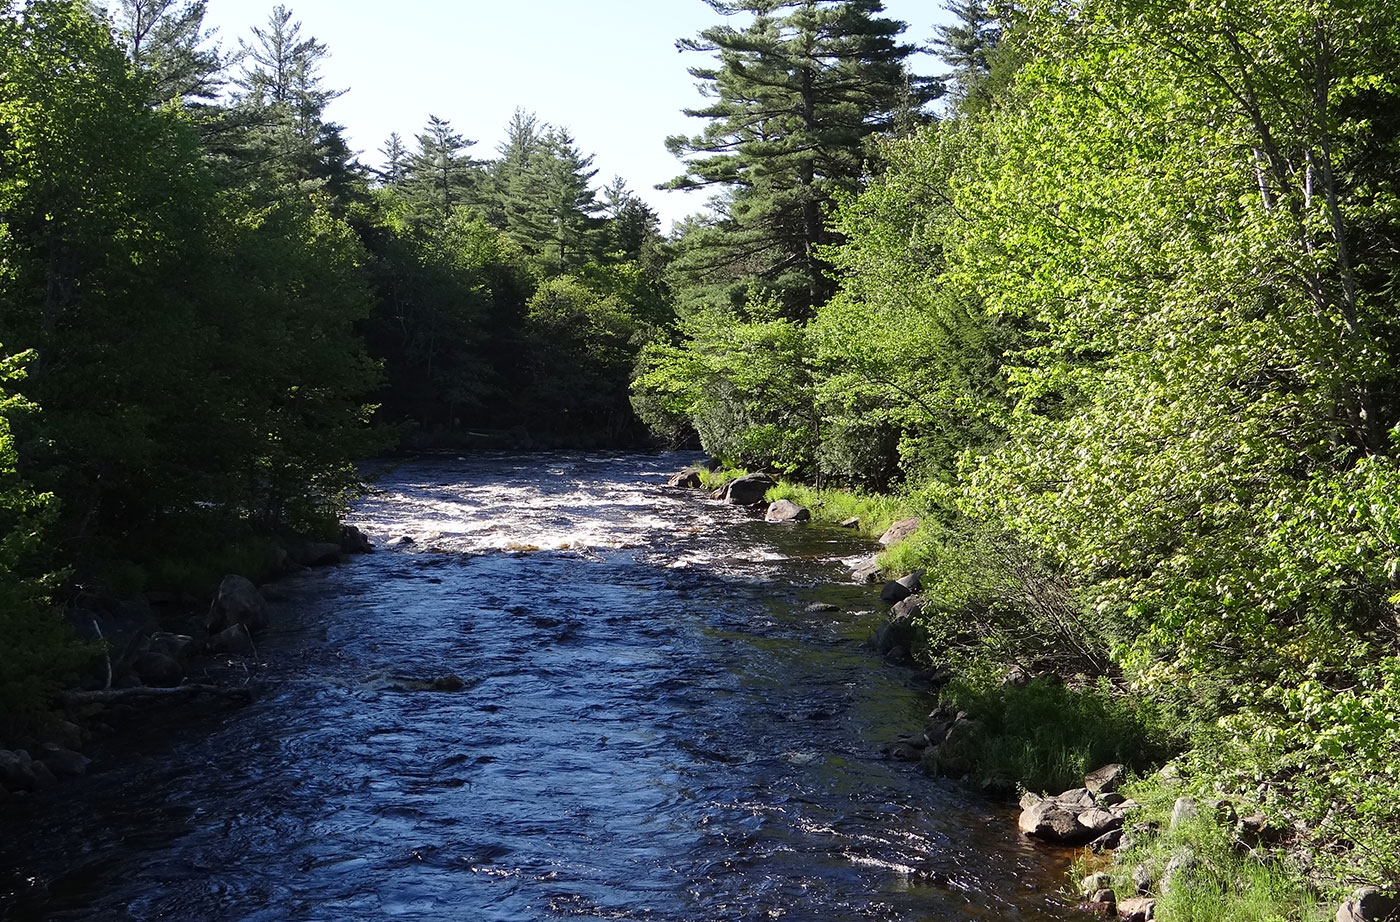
{"type": "Point", "coordinates": [1202, 869]}
{"type": "Point", "coordinates": [874, 511]}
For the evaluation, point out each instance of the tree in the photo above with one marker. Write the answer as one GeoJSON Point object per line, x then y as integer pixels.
{"type": "Point", "coordinates": [440, 176]}
{"type": "Point", "coordinates": [395, 160]}
{"type": "Point", "coordinates": [166, 41]}
{"type": "Point", "coordinates": [967, 44]}
{"type": "Point", "coordinates": [794, 96]}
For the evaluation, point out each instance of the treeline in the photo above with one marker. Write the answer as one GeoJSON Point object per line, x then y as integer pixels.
{"type": "Point", "coordinates": [212, 310]}
{"type": "Point", "coordinates": [1122, 325]}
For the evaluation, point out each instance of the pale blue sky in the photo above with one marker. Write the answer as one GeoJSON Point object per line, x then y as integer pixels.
{"type": "Point", "coordinates": [606, 69]}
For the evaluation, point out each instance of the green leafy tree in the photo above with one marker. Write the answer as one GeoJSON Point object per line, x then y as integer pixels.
{"type": "Point", "coordinates": [439, 176]}
{"type": "Point", "coordinates": [166, 41]}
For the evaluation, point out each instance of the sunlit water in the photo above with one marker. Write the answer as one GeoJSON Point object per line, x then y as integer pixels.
{"type": "Point", "coordinates": [651, 728]}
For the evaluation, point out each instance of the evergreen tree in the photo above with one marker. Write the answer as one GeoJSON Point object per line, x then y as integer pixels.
{"type": "Point", "coordinates": [966, 45]}
{"type": "Point", "coordinates": [395, 160]}
{"type": "Point", "coordinates": [440, 176]}
{"type": "Point", "coordinates": [794, 96]}
{"type": "Point", "coordinates": [166, 40]}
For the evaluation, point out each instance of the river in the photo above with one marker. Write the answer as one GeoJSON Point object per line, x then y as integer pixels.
{"type": "Point", "coordinates": [651, 727]}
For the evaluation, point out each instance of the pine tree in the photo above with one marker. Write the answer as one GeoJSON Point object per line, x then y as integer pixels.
{"type": "Point", "coordinates": [395, 160]}
{"type": "Point", "coordinates": [966, 46]}
{"type": "Point", "coordinates": [166, 40]}
{"type": "Point", "coordinates": [440, 176]}
{"type": "Point", "coordinates": [793, 97]}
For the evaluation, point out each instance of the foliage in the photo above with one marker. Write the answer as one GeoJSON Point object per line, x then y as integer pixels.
{"type": "Point", "coordinates": [1047, 735]}
{"type": "Point", "coordinates": [38, 647]}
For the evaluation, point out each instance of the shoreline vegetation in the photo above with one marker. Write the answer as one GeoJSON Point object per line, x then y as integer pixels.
{"type": "Point", "coordinates": [1176, 840]}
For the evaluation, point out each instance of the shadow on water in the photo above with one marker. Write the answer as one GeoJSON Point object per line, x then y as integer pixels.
{"type": "Point", "coordinates": [650, 726]}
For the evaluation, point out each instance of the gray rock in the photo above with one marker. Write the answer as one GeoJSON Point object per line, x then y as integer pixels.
{"type": "Point", "coordinates": [866, 572]}
{"type": "Point", "coordinates": [1078, 799]}
{"type": "Point", "coordinates": [1368, 904]}
{"type": "Point", "coordinates": [1184, 809]}
{"type": "Point", "coordinates": [176, 646]}
{"type": "Point", "coordinates": [233, 639]}
{"type": "Point", "coordinates": [1016, 677]}
{"type": "Point", "coordinates": [63, 761]}
{"type": "Point", "coordinates": [1179, 867]}
{"type": "Point", "coordinates": [909, 608]}
{"type": "Point", "coordinates": [237, 602]}
{"type": "Point", "coordinates": [749, 490]}
{"type": "Point", "coordinates": [1050, 822]}
{"type": "Point", "coordinates": [1137, 909]}
{"type": "Point", "coordinates": [1094, 883]}
{"type": "Point", "coordinates": [1145, 877]}
{"type": "Point", "coordinates": [354, 541]}
{"type": "Point", "coordinates": [159, 671]}
{"type": "Point", "coordinates": [899, 531]}
{"type": "Point", "coordinates": [1106, 779]}
{"type": "Point", "coordinates": [17, 770]}
{"type": "Point", "coordinates": [1111, 799]}
{"type": "Point", "coordinates": [785, 510]}
{"type": "Point", "coordinates": [900, 589]}
{"type": "Point", "coordinates": [1108, 841]}
{"type": "Point", "coordinates": [852, 522]}
{"type": "Point", "coordinates": [1099, 821]}
{"type": "Point", "coordinates": [317, 554]}
{"type": "Point", "coordinates": [1029, 800]}
{"type": "Point", "coordinates": [688, 478]}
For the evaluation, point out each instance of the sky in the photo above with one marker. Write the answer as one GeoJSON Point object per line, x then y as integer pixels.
{"type": "Point", "coordinates": [608, 70]}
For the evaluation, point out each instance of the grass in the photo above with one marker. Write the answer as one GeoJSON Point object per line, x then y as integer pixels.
{"type": "Point", "coordinates": [1221, 880]}
{"type": "Point", "coordinates": [1047, 735]}
{"type": "Point", "coordinates": [876, 512]}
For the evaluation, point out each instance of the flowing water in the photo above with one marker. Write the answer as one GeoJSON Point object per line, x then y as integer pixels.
{"type": "Point", "coordinates": [651, 727]}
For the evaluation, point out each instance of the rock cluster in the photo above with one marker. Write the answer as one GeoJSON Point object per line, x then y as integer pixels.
{"type": "Point", "coordinates": [19, 771]}
{"type": "Point", "coordinates": [1092, 815]}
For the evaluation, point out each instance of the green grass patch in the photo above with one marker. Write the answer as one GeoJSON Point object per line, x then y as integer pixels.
{"type": "Point", "coordinates": [1202, 873]}
{"type": "Point", "coordinates": [713, 480]}
{"type": "Point", "coordinates": [875, 511]}
{"type": "Point", "coordinates": [1047, 735]}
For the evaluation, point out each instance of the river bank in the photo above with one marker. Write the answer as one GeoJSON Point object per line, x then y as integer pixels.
{"type": "Point", "coordinates": [1185, 840]}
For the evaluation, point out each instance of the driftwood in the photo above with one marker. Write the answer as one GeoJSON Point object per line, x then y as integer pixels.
{"type": "Point", "coordinates": [109, 695]}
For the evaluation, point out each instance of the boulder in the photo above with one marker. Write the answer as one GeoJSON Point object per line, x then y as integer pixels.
{"type": "Point", "coordinates": [1106, 779]}
{"type": "Point", "coordinates": [354, 541]}
{"type": "Point", "coordinates": [1369, 904]}
{"type": "Point", "coordinates": [896, 633]}
{"type": "Point", "coordinates": [1099, 821]}
{"type": "Point", "coordinates": [867, 571]}
{"type": "Point", "coordinates": [233, 639]}
{"type": "Point", "coordinates": [907, 608]}
{"type": "Point", "coordinates": [158, 670]}
{"type": "Point", "coordinates": [1016, 677]}
{"type": "Point", "coordinates": [43, 776]}
{"type": "Point", "coordinates": [63, 761]}
{"type": "Point", "coordinates": [785, 510]}
{"type": "Point", "coordinates": [176, 646]}
{"type": "Point", "coordinates": [748, 490]}
{"type": "Point", "coordinates": [317, 554]}
{"type": "Point", "coordinates": [688, 478]}
{"type": "Point", "coordinates": [17, 770]}
{"type": "Point", "coordinates": [1178, 867]}
{"type": "Point", "coordinates": [1050, 822]}
{"type": "Point", "coordinates": [1184, 809]}
{"type": "Point", "coordinates": [852, 522]}
{"type": "Point", "coordinates": [958, 750]}
{"type": "Point", "coordinates": [1137, 909]}
{"type": "Point", "coordinates": [899, 531]}
{"type": "Point", "coordinates": [1078, 800]}
{"type": "Point", "coordinates": [900, 589]}
{"type": "Point", "coordinates": [1094, 883]}
{"type": "Point", "coordinates": [1108, 841]}
{"type": "Point", "coordinates": [237, 602]}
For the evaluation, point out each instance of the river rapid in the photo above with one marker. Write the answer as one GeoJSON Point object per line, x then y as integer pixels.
{"type": "Point", "coordinates": [651, 727]}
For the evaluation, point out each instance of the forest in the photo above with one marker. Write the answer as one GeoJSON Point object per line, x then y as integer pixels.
{"type": "Point", "coordinates": [1109, 304]}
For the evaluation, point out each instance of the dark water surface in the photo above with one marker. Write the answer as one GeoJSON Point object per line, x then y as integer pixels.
{"type": "Point", "coordinates": [651, 728]}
